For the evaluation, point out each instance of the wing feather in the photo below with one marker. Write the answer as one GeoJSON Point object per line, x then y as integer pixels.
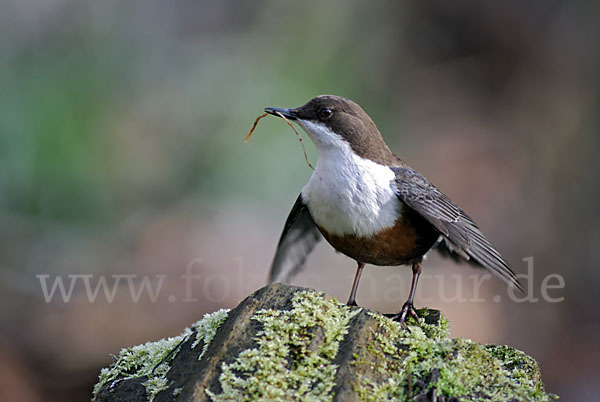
{"type": "Point", "coordinates": [298, 239]}
{"type": "Point", "coordinates": [461, 236]}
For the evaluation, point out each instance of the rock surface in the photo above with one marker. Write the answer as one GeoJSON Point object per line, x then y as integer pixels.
{"type": "Point", "coordinates": [290, 343]}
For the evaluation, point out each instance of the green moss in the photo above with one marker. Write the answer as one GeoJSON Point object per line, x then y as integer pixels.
{"type": "Point", "coordinates": [206, 329]}
{"type": "Point", "coordinates": [152, 359]}
{"type": "Point", "coordinates": [294, 350]}
{"type": "Point", "coordinates": [285, 364]}
{"type": "Point", "coordinates": [157, 380]}
{"type": "Point", "coordinates": [521, 368]}
{"type": "Point", "coordinates": [423, 358]}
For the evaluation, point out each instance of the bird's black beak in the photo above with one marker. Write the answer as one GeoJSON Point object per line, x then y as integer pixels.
{"type": "Point", "coordinates": [290, 114]}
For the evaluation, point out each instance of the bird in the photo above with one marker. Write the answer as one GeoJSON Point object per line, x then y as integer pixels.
{"type": "Point", "coordinates": [370, 205]}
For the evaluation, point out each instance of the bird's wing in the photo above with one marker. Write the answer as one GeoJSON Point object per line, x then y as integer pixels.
{"type": "Point", "coordinates": [299, 237]}
{"type": "Point", "coordinates": [444, 247]}
{"type": "Point", "coordinates": [461, 236]}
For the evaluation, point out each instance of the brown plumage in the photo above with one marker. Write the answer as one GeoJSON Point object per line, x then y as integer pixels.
{"type": "Point", "coordinates": [404, 243]}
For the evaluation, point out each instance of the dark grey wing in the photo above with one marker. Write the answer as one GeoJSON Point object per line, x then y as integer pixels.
{"type": "Point", "coordinates": [447, 250]}
{"type": "Point", "coordinates": [299, 237]}
{"type": "Point", "coordinates": [461, 236]}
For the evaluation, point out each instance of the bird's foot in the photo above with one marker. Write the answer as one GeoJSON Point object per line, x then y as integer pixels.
{"type": "Point", "coordinates": [407, 309]}
{"type": "Point", "coordinates": [351, 303]}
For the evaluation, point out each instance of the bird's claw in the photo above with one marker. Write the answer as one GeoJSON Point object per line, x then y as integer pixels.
{"type": "Point", "coordinates": [407, 308]}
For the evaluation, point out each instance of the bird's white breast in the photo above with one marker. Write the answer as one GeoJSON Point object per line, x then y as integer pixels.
{"type": "Point", "coordinates": [347, 194]}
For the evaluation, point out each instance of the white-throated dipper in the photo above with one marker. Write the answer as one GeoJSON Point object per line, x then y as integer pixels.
{"type": "Point", "coordinates": [369, 205]}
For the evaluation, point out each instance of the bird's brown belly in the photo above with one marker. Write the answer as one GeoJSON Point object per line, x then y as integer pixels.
{"type": "Point", "coordinates": [408, 240]}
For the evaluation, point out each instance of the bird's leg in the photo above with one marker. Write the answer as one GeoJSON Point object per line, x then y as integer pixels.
{"type": "Point", "coordinates": [408, 306]}
{"type": "Point", "coordinates": [352, 298]}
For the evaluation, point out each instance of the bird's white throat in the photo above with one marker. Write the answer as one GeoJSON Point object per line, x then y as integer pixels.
{"type": "Point", "coordinates": [347, 194]}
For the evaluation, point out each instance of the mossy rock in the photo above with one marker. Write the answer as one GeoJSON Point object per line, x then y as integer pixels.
{"type": "Point", "coordinates": [290, 343]}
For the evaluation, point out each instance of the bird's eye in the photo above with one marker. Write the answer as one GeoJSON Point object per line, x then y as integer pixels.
{"type": "Point", "coordinates": [324, 113]}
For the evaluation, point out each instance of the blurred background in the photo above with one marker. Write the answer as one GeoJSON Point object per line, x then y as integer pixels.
{"type": "Point", "coordinates": [121, 153]}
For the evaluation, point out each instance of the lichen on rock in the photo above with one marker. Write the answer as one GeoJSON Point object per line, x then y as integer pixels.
{"type": "Point", "coordinates": [289, 343]}
{"type": "Point", "coordinates": [422, 360]}
{"type": "Point", "coordinates": [151, 359]}
{"type": "Point", "coordinates": [286, 364]}
{"type": "Point", "coordinates": [206, 329]}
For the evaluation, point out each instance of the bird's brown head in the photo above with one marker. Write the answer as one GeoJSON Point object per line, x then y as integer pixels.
{"type": "Point", "coordinates": [332, 121]}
